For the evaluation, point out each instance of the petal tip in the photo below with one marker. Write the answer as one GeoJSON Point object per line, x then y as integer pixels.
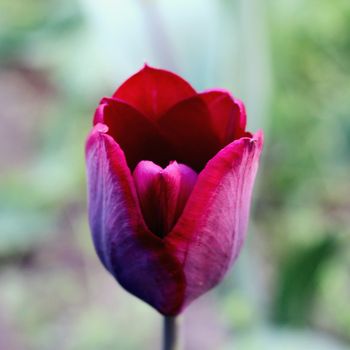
{"type": "Point", "coordinates": [258, 138]}
{"type": "Point", "coordinates": [101, 128]}
{"type": "Point", "coordinates": [97, 130]}
{"type": "Point", "coordinates": [147, 68]}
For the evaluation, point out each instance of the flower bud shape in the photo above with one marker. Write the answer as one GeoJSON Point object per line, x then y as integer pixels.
{"type": "Point", "coordinates": [170, 177]}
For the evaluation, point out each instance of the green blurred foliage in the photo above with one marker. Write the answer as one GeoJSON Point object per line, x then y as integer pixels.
{"type": "Point", "coordinates": [298, 278]}
{"type": "Point", "coordinates": [289, 60]}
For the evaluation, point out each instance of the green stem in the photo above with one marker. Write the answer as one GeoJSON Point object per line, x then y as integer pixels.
{"type": "Point", "coordinates": [171, 333]}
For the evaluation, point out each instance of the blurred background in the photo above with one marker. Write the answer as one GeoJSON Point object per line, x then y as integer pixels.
{"type": "Point", "coordinates": [289, 60]}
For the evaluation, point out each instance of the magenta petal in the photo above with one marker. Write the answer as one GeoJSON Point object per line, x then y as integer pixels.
{"type": "Point", "coordinates": [163, 193]}
{"type": "Point", "coordinates": [153, 91]}
{"type": "Point", "coordinates": [212, 228]}
{"type": "Point", "coordinates": [228, 115]}
{"type": "Point", "coordinates": [188, 179]}
{"type": "Point", "coordinates": [188, 128]}
{"type": "Point", "coordinates": [142, 263]}
{"type": "Point", "coordinates": [147, 179]}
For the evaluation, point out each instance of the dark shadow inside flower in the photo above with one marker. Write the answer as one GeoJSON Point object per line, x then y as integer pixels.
{"type": "Point", "coordinates": [191, 132]}
{"type": "Point", "coordinates": [188, 128]}
{"type": "Point", "coordinates": [138, 137]}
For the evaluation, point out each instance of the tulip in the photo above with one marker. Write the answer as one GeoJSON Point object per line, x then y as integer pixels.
{"type": "Point", "coordinates": [170, 178]}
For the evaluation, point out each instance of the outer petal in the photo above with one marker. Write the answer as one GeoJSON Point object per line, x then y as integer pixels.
{"type": "Point", "coordinates": [227, 115]}
{"type": "Point", "coordinates": [138, 136]}
{"type": "Point", "coordinates": [141, 262]}
{"type": "Point", "coordinates": [153, 91]}
{"type": "Point", "coordinates": [211, 230]}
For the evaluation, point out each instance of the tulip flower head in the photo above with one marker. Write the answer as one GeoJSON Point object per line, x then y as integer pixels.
{"type": "Point", "coordinates": [170, 177]}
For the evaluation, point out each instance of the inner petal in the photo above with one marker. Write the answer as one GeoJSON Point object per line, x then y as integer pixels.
{"type": "Point", "coordinates": [153, 91]}
{"type": "Point", "coordinates": [188, 129]}
{"type": "Point", "coordinates": [163, 193]}
{"type": "Point", "coordinates": [228, 115]}
{"type": "Point", "coordinates": [138, 136]}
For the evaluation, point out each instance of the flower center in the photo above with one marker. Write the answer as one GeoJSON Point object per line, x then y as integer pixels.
{"type": "Point", "coordinates": [163, 193]}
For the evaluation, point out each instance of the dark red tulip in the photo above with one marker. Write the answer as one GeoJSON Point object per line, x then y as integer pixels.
{"type": "Point", "coordinates": [170, 178]}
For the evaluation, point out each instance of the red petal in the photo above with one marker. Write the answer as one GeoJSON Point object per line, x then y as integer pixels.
{"type": "Point", "coordinates": [187, 127]}
{"type": "Point", "coordinates": [228, 115]}
{"type": "Point", "coordinates": [209, 234]}
{"type": "Point", "coordinates": [139, 137]}
{"type": "Point", "coordinates": [163, 193]}
{"type": "Point", "coordinates": [141, 262]}
{"type": "Point", "coordinates": [153, 91]}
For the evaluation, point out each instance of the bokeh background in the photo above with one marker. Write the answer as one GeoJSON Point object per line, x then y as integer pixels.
{"type": "Point", "coordinates": [289, 60]}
